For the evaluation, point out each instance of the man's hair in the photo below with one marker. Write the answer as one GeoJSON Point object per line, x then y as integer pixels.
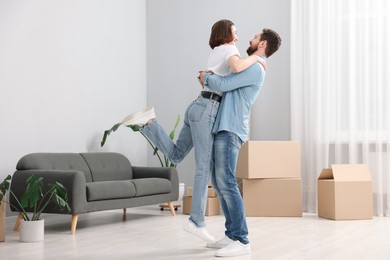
{"type": "Point", "coordinates": [273, 41]}
{"type": "Point", "coordinates": [221, 33]}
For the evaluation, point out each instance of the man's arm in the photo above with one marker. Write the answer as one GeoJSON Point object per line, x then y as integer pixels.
{"type": "Point", "coordinates": [250, 76]}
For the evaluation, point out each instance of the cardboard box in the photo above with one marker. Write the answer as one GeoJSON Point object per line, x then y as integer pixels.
{"type": "Point", "coordinates": [210, 193]}
{"type": "Point", "coordinates": [212, 206]}
{"type": "Point", "coordinates": [345, 192]}
{"type": "Point", "coordinates": [272, 197]}
{"type": "Point", "coordinates": [269, 159]}
{"type": "Point", "coordinates": [2, 220]}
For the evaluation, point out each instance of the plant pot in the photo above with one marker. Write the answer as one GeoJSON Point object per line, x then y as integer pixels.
{"type": "Point", "coordinates": [181, 193]}
{"type": "Point", "coordinates": [32, 231]}
{"type": "Point", "coordinates": [2, 220]}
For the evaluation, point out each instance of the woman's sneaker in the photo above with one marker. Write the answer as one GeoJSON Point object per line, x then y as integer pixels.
{"type": "Point", "coordinates": [225, 241]}
{"type": "Point", "coordinates": [140, 118]}
{"type": "Point", "coordinates": [199, 232]}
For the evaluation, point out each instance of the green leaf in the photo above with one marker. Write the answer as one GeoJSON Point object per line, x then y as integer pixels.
{"type": "Point", "coordinates": [60, 196]}
{"type": "Point", "coordinates": [108, 132]}
{"type": "Point", "coordinates": [135, 128]}
{"type": "Point", "coordinates": [4, 187]}
{"type": "Point", "coordinates": [33, 192]}
{"type": "Point", "coordinates": [172, 134]}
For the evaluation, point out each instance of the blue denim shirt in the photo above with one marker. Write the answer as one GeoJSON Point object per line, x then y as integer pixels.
{"type": "Point", "coordinates": [241, 90]}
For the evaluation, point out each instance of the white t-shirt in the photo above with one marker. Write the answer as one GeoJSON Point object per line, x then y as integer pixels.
{"type": "Point", "coordinates": [218, 61]}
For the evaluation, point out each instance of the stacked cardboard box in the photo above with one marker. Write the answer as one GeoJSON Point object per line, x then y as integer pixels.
{"type": "Point", "coordinates": [212, 206]}
{"type": "Point", "coordinates": [270, 176]}
{"type": "Point", "coordinates": [345, 192]}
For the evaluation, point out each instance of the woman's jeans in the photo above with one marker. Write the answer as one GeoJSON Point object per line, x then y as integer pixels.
{"type": "Point", "coordinates": [226, 148]}
{"type": "Point", "coordinates": [196, 132]}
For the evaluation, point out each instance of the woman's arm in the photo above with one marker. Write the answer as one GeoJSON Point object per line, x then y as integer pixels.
{"type": "Point", "coordinates": [249, 77]}
{"type": "Point", "coordinates": [237, 64]}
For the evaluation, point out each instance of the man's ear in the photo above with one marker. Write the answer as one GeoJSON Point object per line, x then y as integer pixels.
{"type": "Point", "coordinates": [262, 44]}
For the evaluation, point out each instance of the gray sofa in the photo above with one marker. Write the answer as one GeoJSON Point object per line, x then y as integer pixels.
{"type": "Point", "coordinates": [97, 181]}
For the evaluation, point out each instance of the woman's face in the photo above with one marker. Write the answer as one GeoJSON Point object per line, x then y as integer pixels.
{"type": "Point", "coordinates": [234, 32]}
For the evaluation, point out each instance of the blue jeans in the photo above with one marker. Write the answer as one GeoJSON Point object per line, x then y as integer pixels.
{"type": "Point", "coordinates": [196, 132]}
{"type": "Point", "coordinates": [226, 148]}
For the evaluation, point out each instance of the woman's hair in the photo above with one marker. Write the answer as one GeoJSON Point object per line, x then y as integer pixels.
{"type": "Point", "coordinates": [221, 33]}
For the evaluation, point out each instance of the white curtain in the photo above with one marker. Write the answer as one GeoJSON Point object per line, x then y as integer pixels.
{"type": "Point", "coordinates": [340, 90]}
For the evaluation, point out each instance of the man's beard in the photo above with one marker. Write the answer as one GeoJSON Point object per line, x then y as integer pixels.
{"type": "Point", "coordinates": [251, 50]}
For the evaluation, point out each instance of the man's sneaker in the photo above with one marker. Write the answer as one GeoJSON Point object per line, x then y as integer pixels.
{"type": "Point", "coordinates": [199, 232]}
{"type": "Point", "coordinates": [139, 118]}
{"type": "Point", "coordinates": [225, 241]}
{"type": "Point", "coordinates": [234, 249]}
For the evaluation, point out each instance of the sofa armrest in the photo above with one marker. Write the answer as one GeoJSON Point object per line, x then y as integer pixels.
{"type": "Point", "coordinates": [73, 181]}
{"type": "Point", "coordinates": [169, 173]}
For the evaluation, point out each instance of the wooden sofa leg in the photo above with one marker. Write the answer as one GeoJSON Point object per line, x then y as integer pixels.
{"type": "Point", "coordinates": [74, 224]}
{"type": "Point", "coordinates": [124, 214]}
{"type": "Point", "coordinates": [17, 223]}
{"type": "Point", "coordinates": [170, 205]}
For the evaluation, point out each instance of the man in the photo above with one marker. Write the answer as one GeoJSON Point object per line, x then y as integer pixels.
{"type": "Point", "coordinates": [231, 130]}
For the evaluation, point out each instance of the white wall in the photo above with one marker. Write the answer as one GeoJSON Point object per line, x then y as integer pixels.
{"type": "Point", "coordinates": [177, 38]}
{"type": "Point", "coordinates": [68, 71]}
{"type": "Point", "coordinates": [71, 69]}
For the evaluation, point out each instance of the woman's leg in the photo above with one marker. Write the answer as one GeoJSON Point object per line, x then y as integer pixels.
{"type": "Point", "coordinates": [175, 152]}
{"type": "Point", "coordinates": [201, 118]}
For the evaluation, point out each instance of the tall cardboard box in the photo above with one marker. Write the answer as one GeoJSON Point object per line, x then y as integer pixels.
{"type": "Point", "coordinates": [272, 197]}
{"type": "Point", "coordinates": [345, 192]}
{"type": "Point", "coordinates": [211, 193]}
{"type": "Point", "coordinates": [269, 159]}
{"type": "Point", "coordinates": [212, 206]}
{"type": "Point", "coordinates": [2, 220]}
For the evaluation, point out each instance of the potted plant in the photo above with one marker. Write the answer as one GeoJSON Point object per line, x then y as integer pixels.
{"type": "Point", "coordinates": [35, 199]}
{"type": "Point", "coordinates": [164, 161]}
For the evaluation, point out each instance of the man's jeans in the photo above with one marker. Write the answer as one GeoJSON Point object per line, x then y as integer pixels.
{"type": "Point", "coordinates": [196, 132]}
{"type": "Point", "coordinates": [226, 148]}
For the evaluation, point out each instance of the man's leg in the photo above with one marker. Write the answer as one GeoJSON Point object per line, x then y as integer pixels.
{"type": "Point", "coordinates": [226, 148]}
{"type": "Point", "coordinates": [224, 241]}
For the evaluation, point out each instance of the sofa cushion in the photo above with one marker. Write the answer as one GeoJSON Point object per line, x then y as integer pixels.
{"type": "Point", "coordinates": [151, 186]}
{"type": "Point", "coordinates": [105, 190]}
{"type": "Point", "coordinates": [108, 166]}
{"type": "Point", "coordinates": [55, 161]}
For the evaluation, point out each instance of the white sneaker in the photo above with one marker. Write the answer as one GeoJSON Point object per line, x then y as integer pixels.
{"type": "Point", "coordinates": [139, 118]}
{"type": "Point", "coordinates": [234, 249]}
{"type": "Point", "coordinates": [201, 233]}
{"type": "Point", "coordinates": [225, 241]}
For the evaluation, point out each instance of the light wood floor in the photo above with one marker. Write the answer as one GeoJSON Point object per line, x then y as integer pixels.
{"type": "Point", "coordinates": [148, 233]}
